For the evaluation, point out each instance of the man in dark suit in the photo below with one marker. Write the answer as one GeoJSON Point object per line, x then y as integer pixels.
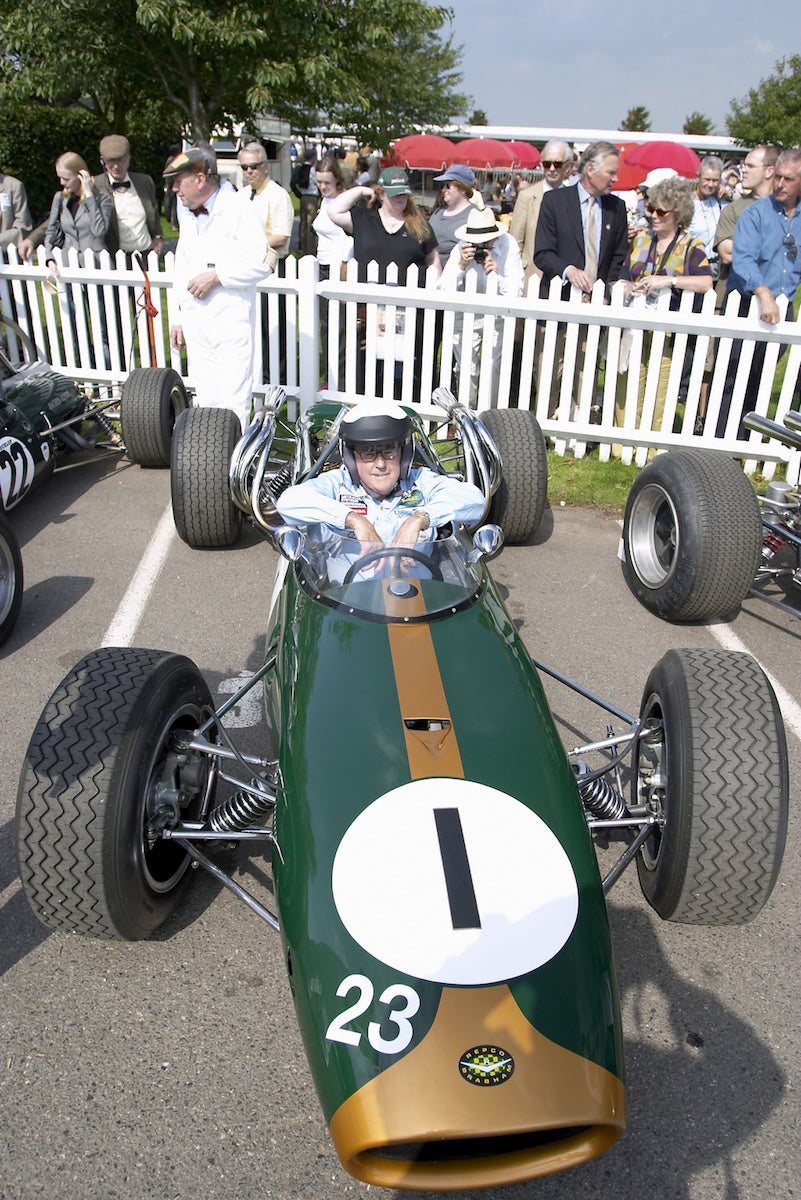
{"type": "Point", "coordinates": [582, 236]}
{"type": "Point", "coordinates": [135, 225]}
{"type": "Point", "coordinates": [560, 247]}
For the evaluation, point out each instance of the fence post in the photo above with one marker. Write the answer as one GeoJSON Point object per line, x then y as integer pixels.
{"type": "Point", "coordinates": [308, 331]}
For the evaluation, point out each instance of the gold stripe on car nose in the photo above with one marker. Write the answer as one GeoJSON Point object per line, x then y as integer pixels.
{"type": "Point", "coordinates": [431, 742]}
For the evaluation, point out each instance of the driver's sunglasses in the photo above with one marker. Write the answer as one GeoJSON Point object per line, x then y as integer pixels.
{"type": "Point", "coordinates": [371, 453]}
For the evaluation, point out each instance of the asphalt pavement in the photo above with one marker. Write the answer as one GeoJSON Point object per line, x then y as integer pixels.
{"type": "Point", "coordinates": [173, 1068]}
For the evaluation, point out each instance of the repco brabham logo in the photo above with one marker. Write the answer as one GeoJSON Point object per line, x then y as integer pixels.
{"type": "Point", "coordinates": [486, 1066]}
{"type": "Point", "coordinates": [16, 470]}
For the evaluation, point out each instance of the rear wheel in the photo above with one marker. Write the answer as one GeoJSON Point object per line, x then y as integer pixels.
{"type": "Point", "coordinates": [204, 511]}
{"type": "Point", "coordinates": [714, 771]}
{"type": "Point", "coordinates": [10, 579]}
{"type": "Point", "coordinates": [106, 768]}
{"type": "Point", "coordinates": [519, 503]}
{"type": "Point", "coordinates": [151, 401]}
{"type": "Point", "coordinates": [692, 536]}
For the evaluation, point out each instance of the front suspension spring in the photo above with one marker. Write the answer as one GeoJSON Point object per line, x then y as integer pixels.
{"type": "Point", "coordinates": [599, 796]}
{"type": "Point", "coordinates": [239, 811]}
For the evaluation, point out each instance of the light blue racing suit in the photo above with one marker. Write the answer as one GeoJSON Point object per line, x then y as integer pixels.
{"type": "Point", "coordinates": [328, 498]}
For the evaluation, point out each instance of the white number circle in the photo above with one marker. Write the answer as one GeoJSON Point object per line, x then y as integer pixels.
{"type": "Point", "coordinates": [454, 882]}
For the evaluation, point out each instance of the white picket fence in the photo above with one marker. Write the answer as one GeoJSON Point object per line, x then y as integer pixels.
{"type": "Point", "coordinates": [407, 349]}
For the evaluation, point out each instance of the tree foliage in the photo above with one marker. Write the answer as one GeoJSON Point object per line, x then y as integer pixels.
{"type": "Point", "coordinates": [698, 124]}
{"type": "Point", "coordinates": [32, 136]}
{"type": "Point", "coordinates": [375, 66]}
{"type": "Point", "coordinates": [770, 113]}
{"type": "Point", "coordinates": [637, 119]}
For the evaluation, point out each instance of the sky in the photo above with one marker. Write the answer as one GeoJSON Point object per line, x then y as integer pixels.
{"type": "Point", "coordinates": [574, 63]}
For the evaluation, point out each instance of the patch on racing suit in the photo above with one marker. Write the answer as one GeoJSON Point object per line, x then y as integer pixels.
{"type": "Point", "coordinates": [412, 499]}
{"type": "Point", "coordinates": [356, 504]}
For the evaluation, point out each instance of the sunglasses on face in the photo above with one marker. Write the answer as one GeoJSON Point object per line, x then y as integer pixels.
{"type": "Point", "coordinates": [549, 163]}
{"type": "Point", "coordinates": [252, 166]}
{"type": "Point", "coordinates": [369, 454]}
{"type": "Point", "coordinates": [659, 212]}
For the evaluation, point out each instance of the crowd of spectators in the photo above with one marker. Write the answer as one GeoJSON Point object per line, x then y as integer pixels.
{"type": "Point", "coordinates": [734, 227]}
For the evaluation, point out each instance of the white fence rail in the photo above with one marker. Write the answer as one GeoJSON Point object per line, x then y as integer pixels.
{"type": "Point", "coordinates": [560, 358]}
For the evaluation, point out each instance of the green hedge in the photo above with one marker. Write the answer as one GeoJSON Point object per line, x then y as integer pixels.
{"type": "Point", "coordinates": [33, 135]}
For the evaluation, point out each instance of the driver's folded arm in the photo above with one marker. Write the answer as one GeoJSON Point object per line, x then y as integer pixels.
{"type": "Point", "coordinates": [332, 497]}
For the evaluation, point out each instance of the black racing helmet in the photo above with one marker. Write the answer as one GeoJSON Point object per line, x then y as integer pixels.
{"type": "Point", "coordinates": [378, 424]}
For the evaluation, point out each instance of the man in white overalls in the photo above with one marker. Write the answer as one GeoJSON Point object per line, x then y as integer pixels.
{"type": "Point", "coordinates": [218, 263]}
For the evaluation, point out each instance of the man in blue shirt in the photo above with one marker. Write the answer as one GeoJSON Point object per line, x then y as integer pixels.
{"type": "Point", "coordinates": [765, 264]}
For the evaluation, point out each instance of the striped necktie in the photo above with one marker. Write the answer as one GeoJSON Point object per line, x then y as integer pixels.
{"type": "Point", "coordinates": [591, 241]}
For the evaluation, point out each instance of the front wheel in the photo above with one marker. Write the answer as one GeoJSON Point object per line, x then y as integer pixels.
{"type": "Point", "coordinates": [712, 767]}
{"type": "Point", "coordinates": [692, 536]}
{"type": "Point", "coordinates": [106, 769]}
{"type": "Point", "coordinates": [10, 579]}
{"type": "Point", "coordinates": [151, 401]}
{"type": "Point", "coordinates": [206, 516]}
{"type": "Point", "coordinates": [518, 505]}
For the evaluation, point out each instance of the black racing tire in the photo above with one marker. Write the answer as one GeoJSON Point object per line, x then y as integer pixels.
{"type": "Point", "coordinates": [98, 757]}
{"type": "Point", "coordinates": [716, 770]}
{"type": "Point", "coordinates": [518, 505]}
{"type": "Point", "coordinates": [204, 511]}
{"type": "Point", "coordinates": [151, 401]}
{"type": "Point", "coordinates": [10, 579]}
{"type": "Point", "coordinates": [692, 536]}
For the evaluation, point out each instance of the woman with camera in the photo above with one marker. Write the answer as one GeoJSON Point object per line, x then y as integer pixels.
{"type": "Point", "coordinates": [485, 250]}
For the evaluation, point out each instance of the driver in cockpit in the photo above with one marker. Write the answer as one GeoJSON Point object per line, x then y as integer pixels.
{"type": "Point", "coordinates": [377, 493]}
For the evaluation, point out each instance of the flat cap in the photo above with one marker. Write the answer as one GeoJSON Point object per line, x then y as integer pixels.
{"type": "Point", "coordinates": [194, 159]}
{"type": "Point", "coordinates": [114, 145]}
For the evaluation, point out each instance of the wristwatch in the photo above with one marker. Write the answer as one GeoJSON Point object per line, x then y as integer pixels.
{"type": "Point", "coordinates": [426, 519]}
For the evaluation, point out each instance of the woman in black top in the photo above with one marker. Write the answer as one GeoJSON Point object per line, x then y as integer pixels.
{"type": "Point", "coordinates": [387, 227]}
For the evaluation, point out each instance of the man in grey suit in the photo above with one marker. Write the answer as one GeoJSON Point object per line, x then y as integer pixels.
{"type": "Point", "coordinates": [135, 226]}
{"type": "Point", "coordinates": [15, 218]}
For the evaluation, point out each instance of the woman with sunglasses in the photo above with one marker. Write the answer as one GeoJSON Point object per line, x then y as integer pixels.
{"type": "Point", "coordinates": [663, 258]}
{"type": "Point", "coordinates": [454, 199]}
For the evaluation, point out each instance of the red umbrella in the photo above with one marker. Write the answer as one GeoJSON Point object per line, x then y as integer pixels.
{"type": "Point", "coordinates": [484, 152]}
{"type": "Point", "coordinates": [629, 177]}
{"type": "Point", "coordinates": [423, 150]}
{"type": "Point", "coordinates": [526, 154]}
{"type": "Point", "coordinates": [682, 159]}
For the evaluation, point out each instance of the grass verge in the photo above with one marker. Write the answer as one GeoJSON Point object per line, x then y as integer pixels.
{"type": "Point", "coordinates": [586, 481]}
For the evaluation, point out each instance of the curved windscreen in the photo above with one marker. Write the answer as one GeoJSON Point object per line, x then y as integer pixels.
{"type": "Point", "coordinates": [388, 583]}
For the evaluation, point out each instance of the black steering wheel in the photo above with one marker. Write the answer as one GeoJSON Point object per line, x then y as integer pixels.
{"type": "Point", "coordinates": [391, 552]}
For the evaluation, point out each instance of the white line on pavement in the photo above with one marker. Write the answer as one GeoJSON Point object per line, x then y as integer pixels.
{"type": "Point", "coordinates": [127, 617]}
{"type": "Point", "coordinates": [791, 711]}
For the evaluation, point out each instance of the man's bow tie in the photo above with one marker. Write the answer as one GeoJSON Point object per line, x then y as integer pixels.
{"type": "Point", "coordinates": [122, 184]}
{"type": "Point", "coordinates": [200, 212]}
